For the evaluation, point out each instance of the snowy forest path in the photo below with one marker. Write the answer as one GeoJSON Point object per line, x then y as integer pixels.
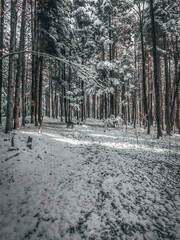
{"type": "Point", "coordinates": [84, 183]}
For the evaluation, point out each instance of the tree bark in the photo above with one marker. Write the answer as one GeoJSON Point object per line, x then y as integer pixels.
{"type": "Point", "coordinates": [82, 105]}
{"type": "Point", "coordinates": [37, 78]}
{"type": "Point", "coordinates": [146, 116]}
{"type": "Point", "coordinates": [1, 53]}
{"type": "Point", "coordinates": [177, 81]}
{"type": "Point", "coordinates": [33, 24]}
{"type": "Point", "coordinates": [9, 117]}
{"type": "Point", "coordinates": [20, 73]}
{"type": "Point", "coordinates": [167, 105]}
{"type": "Point", "coordinates": [156, 84]}
{"type": "Point", "coordinates": [40, 90]}
{"type": "Point", "coordinates": [69, 102]}
{"type": "Point", "coordinates": [37, 41]}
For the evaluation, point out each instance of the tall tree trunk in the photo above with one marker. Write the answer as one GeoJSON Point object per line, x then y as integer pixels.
{"type": "Point", "coordinates": [156, 84]}
{"type": "Point", "coordinates": [145, 104]}
{"type": "Point", "coordinates": [167, 102]}
{"type": "Point", "coordinates": [134, 93]}
{"type": "Point", "coordinates": [17, 95]}
{"type": "Point", "coordinates": [37, 59]}
{"type": "Point", "coordinates": [167, 105]}
{"type": "Point", "coordinates": [23, 93]}
{"type": "Point", "coordinates": [52, 98]}
{"type": "Point", "coordinates": [33, 31]}
{"type": "Point", "coordinates": [177, 81]}
{"type": "Point", "coordinates": [37, 78]}
{"type": "Point", "coordinates": [40, 108]}
{"type": "Point", "coordinates": [94, 105]}
{"type": "Point", "coordinates": [69, 102]}
{"type": "Point", "coordinates": [62, 103]}
{"type": "Point", "coordinates": [64, 94]}
{"type": "Point", "coordinates": [9, 117]}
{"type": "Point", "coordinates": [20, 72]}
{"type": "Point", "coordinates": [49, 94]}
{"type": "Point", "coordinates": [178, 113]}
{"type": "Point", "coordinates": [40, 90]}
{"type": "Point", "coordinates": [110, 59]}
{"type": "Point", "coordinates": [123, 108]}
{"type": "Point", "coordinates": [83, 102]}
{"type": "Point", "coordinates": [1, 53]}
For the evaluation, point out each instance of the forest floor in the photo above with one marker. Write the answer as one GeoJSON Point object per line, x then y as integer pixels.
{"type": "Point", "coordinates": [84, 183]}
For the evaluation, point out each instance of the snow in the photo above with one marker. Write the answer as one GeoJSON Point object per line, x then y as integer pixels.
{"type": "Point", "coordinates": [87, 183]}
{"type": "Point", "coordinates": [97, 22]}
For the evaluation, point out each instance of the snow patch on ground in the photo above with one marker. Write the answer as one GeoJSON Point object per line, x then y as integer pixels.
{"type": "Point", "coordinates": [84, 183]}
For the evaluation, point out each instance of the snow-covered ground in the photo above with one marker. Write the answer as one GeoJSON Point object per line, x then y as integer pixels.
{"type": "Point", "coordinates": [84, 183]}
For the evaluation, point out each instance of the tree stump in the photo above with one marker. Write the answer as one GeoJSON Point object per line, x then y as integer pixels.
{"type": "Point", "coordinates": [29, 142]}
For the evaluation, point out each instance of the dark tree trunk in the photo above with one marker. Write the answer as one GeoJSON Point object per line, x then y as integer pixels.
{"type": "Point", "coordinates": [9, 117]}
{"type": "Point", "coordinates": [82, 105]}
{"type": "Point", "coordinates": [69, 102]}
{"type": "Point", "coordinates": [20, 73]}
{"type": "Point", "coordinates": [56, 101]}
{"type": "Point", "coordinates": [62, 103]}
{"type": "Point", "coordinates": [111, 73]}
{"type": "Point", "coordinates": [50, 79]}
{"type": "Point", "coordinates": [178, 113]}
{"type": "Point", "coordinates": [17, 95]}
{"type": "Point", "coordinates": [167, 105]}
{"type": "Point", "coordinates": [23, 93]}
{"type": "Point", "coordinates": [156, 84]}
{"type": "Point", "coordinates": [37, 60]}
{"type": "Point", "coordinates": [177, 81]}
{"type": "Point", "coordinates": [33, 31]}
{"type": "Point", "coordinates": [37, 72]}
{"type": "Point", "coordinates": [134, 93]}
{"type": "Point", "coordinates": [64, 94]}
{"type": "Point", "coordinates": [52, 98]}
{"type": "Point", "coordinates": [123, 108]}
{"type": "Point", "coordinates": [40, 90]}
{"type": "Point", "coordinates": [145, 104]}
{"type": "Point", "coordinates": [106, 110]}
{"type": "Point", "coordinates": [1, 53]}
{"type": "Point", "coordinates": [94, 105]}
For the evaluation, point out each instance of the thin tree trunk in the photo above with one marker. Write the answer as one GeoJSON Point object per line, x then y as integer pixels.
{"type": "Point", "coordinates": [134, 93]}
{"type": "Point", "coordinates": [178, 113]}
{"type": "Point", "coordinates": [111, 73]}
{"type": "Point", "coordinates": [37, 60]}
{"type": "Point", "coordinates": [50, 79]}
{"type": "Point", "coordinates": [37, 75]}
{"type": "Point", "coordinates": [1, 53]}
{"type": "Point", "coordinates": [62, 103]}
{"type": "Point", "coordinates": [9, 117]}
{"type": "Point", "coordinates": [177, 81]}
{"type": "Point", "coordinates": [146, 116]}
{"type": "Point", "coordinates": [167, 105]}
{"type": "Point", "coordinates": [17, 94]}
{"type": "Point", "coordinates": [52, 96]}
{"type": "Point", "coordinates": [23, 93]}
{"type": "Point", "coordinates": [123, 109]}
{"type": "Point", "coordinates": [82, 105]}
{"type": "Point", "coordinates": [69, 102]}
{"type": "Point", "coordinates": [64, 95]}
{"type": "Point", "coordinates": [33, 31]}
{"type": "Point", "coordinates": [40, 90]}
